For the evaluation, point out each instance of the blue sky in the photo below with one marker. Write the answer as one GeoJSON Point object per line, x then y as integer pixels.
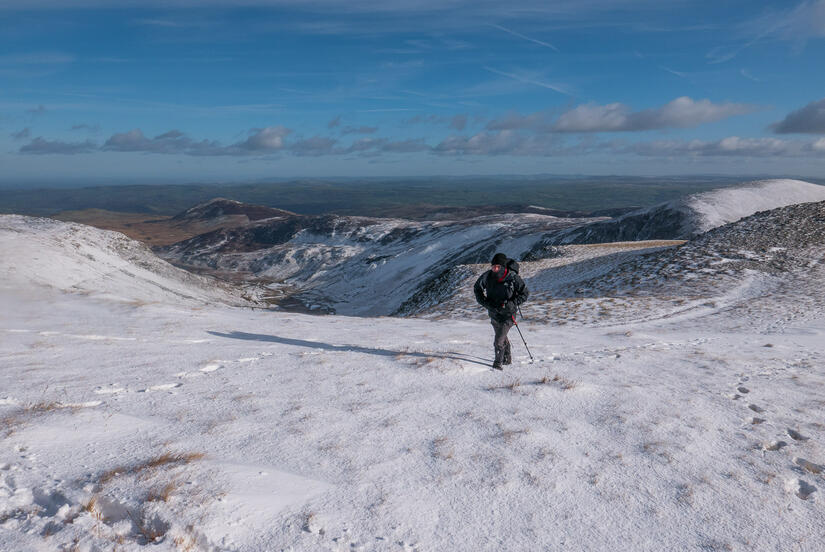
{"type": "Point", "coordinates": [170, 91]}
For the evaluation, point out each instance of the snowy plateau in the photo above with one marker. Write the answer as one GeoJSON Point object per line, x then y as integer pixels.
{"type": "Point", "coordinates": [676, 400]}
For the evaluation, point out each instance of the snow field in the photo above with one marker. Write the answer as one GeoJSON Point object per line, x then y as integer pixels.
{"type": "Point", "coordinates": [228, 429]}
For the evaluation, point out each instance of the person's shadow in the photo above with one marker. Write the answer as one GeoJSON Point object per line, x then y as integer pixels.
{"type": "Point", "coordinates": [356, 348]}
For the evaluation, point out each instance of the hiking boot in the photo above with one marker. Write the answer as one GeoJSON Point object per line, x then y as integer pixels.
{"type": "Point", "coordinates": [500, 355]}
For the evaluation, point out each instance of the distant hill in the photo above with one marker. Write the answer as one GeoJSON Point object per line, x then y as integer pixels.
{"type": "Point", "coordinates": [417, 199]}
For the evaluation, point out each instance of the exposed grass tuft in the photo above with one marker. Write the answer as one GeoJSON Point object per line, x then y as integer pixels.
{"type": "Point", "coordinates": [163, 494]}
{"type": "Point", "coordinates": [165, 459]}
{"type": "Point", "coordinates": [512, 386]}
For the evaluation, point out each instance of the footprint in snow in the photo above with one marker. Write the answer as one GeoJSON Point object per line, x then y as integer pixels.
{"type": "Point", "coordinates": [795, 435]}
{"type": "Point", "coordinates": [111, 389]}
{"type": "Point", "coordinates": [757, 409]}
{"type": "Point", "coordinates": [211, 367]}
{"type": "Point", "coordinates": [162, 387]}
{"type": "Point", "coordinates": [775, 445]}
{"type": "Point", "coordinates": [742, 389]}
{"type": "Point", "coordinates": [809, 466]}
{"type": "Point", "coordinates": [800, 488]}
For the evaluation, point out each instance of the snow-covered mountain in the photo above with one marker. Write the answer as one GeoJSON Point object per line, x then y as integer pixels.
{"type": "Point", "coordinates": [690, 216]}
{"type": "Point", "coordinates": [358, 265]}
{"type": "Point", "coordinates": [368, 266]}
{"type": "Point", "coordinates": [79, 258]}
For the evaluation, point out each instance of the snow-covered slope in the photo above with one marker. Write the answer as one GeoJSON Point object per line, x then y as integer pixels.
{"type": "Point", "coordinates": [170, 428]}
{"type": "Point", "coordinates": [741, 266]}
{"type": "Point", "coordinates": [690, 216]}
{"type": "Point", "coordinates": [79, 258]}
{"type": "Point", "coordinates": [171, 425]}
{"type": "Point", "coordinates": [357, 265]}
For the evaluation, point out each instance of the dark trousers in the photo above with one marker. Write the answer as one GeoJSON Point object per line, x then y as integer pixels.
{"type": "Point", "coordinates": [500, 343]}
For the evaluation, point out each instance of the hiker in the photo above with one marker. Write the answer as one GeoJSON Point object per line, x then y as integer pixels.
{"type": "Point", "coordinates": [501, 290]}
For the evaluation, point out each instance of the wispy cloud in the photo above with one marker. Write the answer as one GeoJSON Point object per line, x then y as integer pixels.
{"type": "Point", "coordinates": [358, 130]}
{"type": "Point", "coordinates": [158, 23]}
{"type": "Point", "coordinates": [35, 111]}
{"type": "Point", "coordinates": [456, 122]}
{"type": "Point", "coordinates": [673, 72]}
{"type": "Point", "coordinates": [384, 110]}
{"type": "Point", "coordinates": [87, 127]}
{"type": "Point", "coordinates": [42, 146]}
{"type": "Point", "coordinates": [36, 58]}
{"type": "Point", "coordinates": [745, 73]}
{"type": "Point", "coordinates": [313, 147]}
{"type": "Point", "coordinates": [525, 37]}
{"type": "Point", "coordinates": [21, 134]}
{"type": "Point", "coordinates": [802, 22]}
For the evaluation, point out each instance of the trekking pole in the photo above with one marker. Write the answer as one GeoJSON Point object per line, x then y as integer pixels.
{"type": "Point", "coordinates": [522, 338]}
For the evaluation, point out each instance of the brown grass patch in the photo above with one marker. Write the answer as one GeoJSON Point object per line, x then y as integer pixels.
{"type": "Point", "coordinates": [163, 494]}
{"type": "Point", "coordinates": [512, 386]}
{"type": "Point", "coordinates": [563, 383]}
{"type": "Point", "coordinates": [507, 435]}
{"type": "Point", "coordinates": [164, 460]}
{"type": "Point", "coordinates": [440, 448]}
{"type": "Point", "coordinates": [21, 415]}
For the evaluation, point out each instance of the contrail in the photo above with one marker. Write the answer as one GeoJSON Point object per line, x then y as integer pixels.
{"type": "Point", "coordinates": [518, 78]}
{"type": "Point", "coordinates": [525, 37]}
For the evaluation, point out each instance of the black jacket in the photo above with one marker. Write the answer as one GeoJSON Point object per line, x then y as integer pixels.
{"type": "Point", "coordinates": [501, 298]}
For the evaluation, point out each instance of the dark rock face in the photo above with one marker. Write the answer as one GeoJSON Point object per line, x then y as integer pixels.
{"type": "Point", "coordinates": [666, 222]}
{"type": "Point", "coordinates": [434, 292]}
{"type": "Point", "coordinates": [771, 243]}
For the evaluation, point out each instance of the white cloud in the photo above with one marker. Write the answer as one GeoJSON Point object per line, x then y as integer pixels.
{"type": "Point", "coordinates": [808, 120]}
{"type": "Point", "coordinates": [266, 139]}
{"type": "Point", "coordinates": [682, 112]}
{"type": "Point", "coordinates": [732, 146]}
